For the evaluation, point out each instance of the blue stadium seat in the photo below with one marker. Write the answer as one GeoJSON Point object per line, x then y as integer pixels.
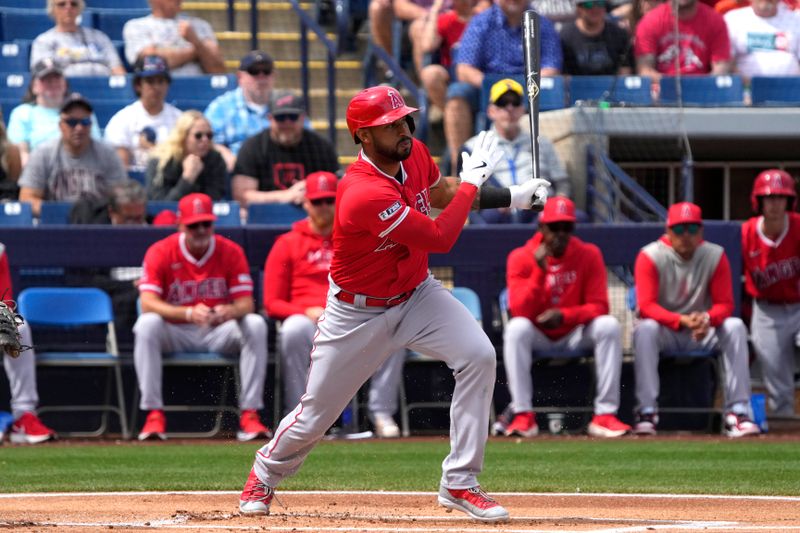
{"type": "Point", "coordinates": [13, 87]}
{"type": "Point", "coordinates": [154, 207]}
{"type": "Point", "coordinates": [54, 213]}
{"type": "Point", "coordinates": [274, 214]}
{"type": "Point", "coordinates": [195, 92]}
{"type": "Point", "coordinates": [615, 89]}
{"type": "Point", "coordinates": [227, 213]}
{"type": "Point", "coordinates": [704, 90]}
{"type": "Point", "coordinates": [98, 88]}
{"type": "Point", "coordinates": [15, 57]}
{"type": "Point", "coordinates": [104, 110]}
{"type": "Point", "coordinates": [24, 23]}
{"type": "Point", "coordinates": [24, 4]}
{"type": "Point", "coordinates": [116, 4]}
{"type": "Point", "coordinates": [16, 214]}
{"type": "Point", "coordinates": [111, 21]}
{"type": "Point", "coordinates": [775, 91]}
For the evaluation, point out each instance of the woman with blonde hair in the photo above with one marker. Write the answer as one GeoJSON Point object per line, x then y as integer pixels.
{"type": "Point", "coordinates": [10, 165]}
{"type": "Point", "coordinates": [186, 162]}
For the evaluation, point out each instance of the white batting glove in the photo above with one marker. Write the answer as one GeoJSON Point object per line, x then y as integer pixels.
{"type": "Point", "coordinates": [529, 195]}
{"type": "Point", "coordinates": [478, 166]}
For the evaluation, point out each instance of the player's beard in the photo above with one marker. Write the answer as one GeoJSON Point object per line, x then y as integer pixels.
{"type": "Point", "coordinates": [395, 153]}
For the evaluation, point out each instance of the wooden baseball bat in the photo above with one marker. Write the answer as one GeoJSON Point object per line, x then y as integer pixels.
{"type": "Point", "coordinates": [531, 46]}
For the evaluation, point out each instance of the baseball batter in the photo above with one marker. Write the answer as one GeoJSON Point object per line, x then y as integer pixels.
{"type": "Point", "coordinates": [771, 253]}
{"type": "Point", "coordinates": [382, 298]}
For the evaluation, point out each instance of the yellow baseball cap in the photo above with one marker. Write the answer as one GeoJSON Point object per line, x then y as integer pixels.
{"type": "Point", "coordinates": [502, 87]}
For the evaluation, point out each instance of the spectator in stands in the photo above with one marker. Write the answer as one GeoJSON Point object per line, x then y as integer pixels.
{"type": "Point", "coordinates": [151, 81]}
{"type": "Point", "coordinates": [593, 47]}
{"type": "Point", "coordinates": [197, 294]}
{"type": "Point", "coordinates": [21, 374]}
{"type": "Point", "coordinates": [685, 298]}
{"type": "Point", "coordinates": [701, 47]}
{"type": "Point", "coordinates": [37, 118]}
{"type": "Point", "coordinates": [187, 43]}
{"type": "Point", "coordinates": [186, 162]}
{"type": "Point", "coordinates": [73, 165]}
{"type": "Point", "coordinates": [558, 298]}
{"type": "Point", "coordinates": [505, 110]}
{"type": "Point", "coordinates": [243, 112]}
{"type": "Point", "coordinates": [295, 290]}
{"type": "Point", "coordinates": [771, 252]}
{"type": "Point", "coordinates": [10, 165]}
{"type": "Point", "coordinates": [629, 14]}
{"type": "Point", "coordinates": [381, 16]}
{"type": "Point", "coordinates": [272, 166]}
{"type": "Point", "coordinates": [491, 44]}
{"type": "Point", "coordinates": [77, 49]}
{"type": "Point", "coordinates": [765, 39]}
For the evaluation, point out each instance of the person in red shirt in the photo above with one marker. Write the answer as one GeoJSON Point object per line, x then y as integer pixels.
{"type": "Point", "coordinates": [685, 300]}
{"type": "Point", "coordinates": [771, 253]}
{"type": "Point", "coordinates": [21, 373]}
{"type": "Point", "coordinates": [295, 287]}
{"type": "Point", "coordinates": [558, 298]}
{"type": "Point", "coordinates": [702, 45]}
{"type": "Point", "coordinates": [197, 294]}
{"type": "Point", "coordinates": [382, 297]}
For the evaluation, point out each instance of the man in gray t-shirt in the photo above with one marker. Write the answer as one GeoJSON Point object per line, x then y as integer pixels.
{"type": "Point", "coordinates": [72, 165]}
{"type": "Point", "coordinates": [187, 43]}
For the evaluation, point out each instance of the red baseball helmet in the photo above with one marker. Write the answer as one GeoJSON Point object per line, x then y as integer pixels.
{"type": "Point", "coordinates": [377, 106]}
{"type": "Point", "coordinates": [773, 182]}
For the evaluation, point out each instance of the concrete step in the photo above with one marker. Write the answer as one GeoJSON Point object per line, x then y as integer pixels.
{"type": "Point", "coordinates": [280, 45]}
{"type": "Point", "coordinates": [319, 100]}
{"type": "Point", "coordinates": [349, 74]}
{"type": "Point", "coordinates": [272, 16]}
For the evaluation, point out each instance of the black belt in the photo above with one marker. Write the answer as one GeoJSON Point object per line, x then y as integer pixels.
{"type": "Point", "coordinates": [350, 298]}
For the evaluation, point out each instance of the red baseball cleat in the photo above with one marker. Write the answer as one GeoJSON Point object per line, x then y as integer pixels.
{"type": "Point", "coordinates": [607, 426]}
{"type": "Point", "coordinates": [250, 426]}
{"type": "Point", "coordinates": [523, 425]}
{"type": "Point", "coordinates": [154, 426]}
{"type": "Point", "coordinates": [28, 429]}
{"type": "Point", "coordinates": [256, 496]}
{"type": "Point", "coordinates": [474, 502]}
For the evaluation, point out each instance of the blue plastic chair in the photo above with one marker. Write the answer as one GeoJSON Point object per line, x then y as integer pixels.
{"type": "Point", "coordinates": [104, 110]}
{"type": "Point", "coordinates": [709, 91]}
{"type": "Point", "coordinates": [112, 21]}
{"type": "Point", "coordinates": [154, 207]}
{"type": "Point", "coordinates": [775, 91]}
{"type": "Point", "coordinates": [279, 214]}
{"type": "Point", "coordinates": [228, 213]}
{"type": "Point", "coordinates": [24, 23]}
{"type": "Point", "coordinates": [55, 213]}
{"type": "Point", "coordinates": [13, 87]}
{"type": "Point", "coordinates": [195, 92]}
{"type": "Point", "coordinates": [16, 214]}
{"type": "Point", "coordinates": [118, 89]}
{"type": "Point", "coordinates": [116, 4]}
{"type": "Point", "coordinates": [634, 90]}
{"type": "Point", "coordinates": [76, 308]}
{"type": "Point", "coordinates": [24, 4]}
{"type": "Point", "coordinates": [15, 56]}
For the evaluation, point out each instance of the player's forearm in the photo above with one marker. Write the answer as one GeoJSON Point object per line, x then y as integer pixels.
{"type": "Point", "coordinates": [152, 303]}
{"type": "Point", "coordinates": [209, 57]}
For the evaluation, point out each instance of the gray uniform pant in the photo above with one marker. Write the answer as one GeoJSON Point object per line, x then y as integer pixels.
{"type": "Point", "coordinates": [774, 329]}
{"type": "Point", "coordinates": [352, 342]}
{"type": "Point", "coordinates": [247, 336]}
{"type": "Point", "coordinates": [21, 374]}
{"type": "Point", "coordinates": [603, 333]}
{"type": "Point", "coordinates": [296, 338]}
{"type": "Point", "coordinates": [650, 337]}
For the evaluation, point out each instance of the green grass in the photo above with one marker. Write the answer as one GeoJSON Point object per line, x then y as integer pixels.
{"type": "Point", "coordinates": [627, 466]}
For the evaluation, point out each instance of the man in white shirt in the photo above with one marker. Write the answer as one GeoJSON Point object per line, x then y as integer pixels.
{"type": "Point", "coordinates": [127, 131]}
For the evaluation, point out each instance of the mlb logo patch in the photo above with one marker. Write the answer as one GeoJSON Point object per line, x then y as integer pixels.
{"type": "Point", "coordinates": [387, 213]}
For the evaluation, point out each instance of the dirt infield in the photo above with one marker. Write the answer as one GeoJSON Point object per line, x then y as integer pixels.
{"type": "Point", "coordinates": [394, 512]}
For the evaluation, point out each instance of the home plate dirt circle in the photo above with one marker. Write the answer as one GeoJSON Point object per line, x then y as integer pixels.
{"type": "Point", "coordinates": [395, 512]}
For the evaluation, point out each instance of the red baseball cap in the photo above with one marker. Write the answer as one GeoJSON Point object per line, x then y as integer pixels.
{"type": "Point", "coordinates": [321, 185]}
{"type": "Point", "coordinates": [684, 213]}
{"type": "Point", "coordinates": [557, 209]}
{"type": "Point", "coordinates": [196, 207]}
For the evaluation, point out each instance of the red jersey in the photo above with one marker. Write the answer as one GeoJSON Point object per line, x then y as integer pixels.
{"type": "Point", "coordinates": [575, 284]}
{"type": "Point", "coordinates": [219, 277]}
{"type": "Point", "coordinates": [6, 292]}
{"type": "Point", "coordinates": [702, 40]}
{"type": "Point", "coordinates": [382, 233]}
{"type": "Point", "coordinates": [772, 268]}
{"type": "Point", "coordinates": [449, 27]}
{"type": "Point", "coordinates": [296, 271]}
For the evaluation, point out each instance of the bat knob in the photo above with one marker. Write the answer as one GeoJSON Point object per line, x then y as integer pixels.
{"type": "Point", "coordinates": [539, 199]}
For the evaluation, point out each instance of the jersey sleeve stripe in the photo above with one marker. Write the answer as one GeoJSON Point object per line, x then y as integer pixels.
{"type": "Point", "coordinates": [396, 223]}
{"type": "Point", "coordinates": [241, 288]}
{"type": "Point", "coordinates": [150, 288]}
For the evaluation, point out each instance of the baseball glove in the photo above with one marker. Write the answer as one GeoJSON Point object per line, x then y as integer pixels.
{"type": "Point", "coordinates": [9, 330]}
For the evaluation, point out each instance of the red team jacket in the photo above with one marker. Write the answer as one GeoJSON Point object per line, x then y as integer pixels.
{"type": "Point", "coordinates": [6, 292]}
{"type": "Point", "coordinates": [296, 271]}
{"type": "Point", "coordinates": [772, 268]}
{"type": "Point", "coordinates": [575, 284]}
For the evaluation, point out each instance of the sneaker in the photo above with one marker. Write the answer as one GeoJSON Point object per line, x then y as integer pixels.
{"type": "Point", "coordinates": [385, 426]}
{"type": "Point", "coordinates": [250, 427]}
{"type": "Point", "coordinates": [740, 425]}
{"type": "Point", "coordinates": [256, 496]}
{"type": "Point", "coordinates": [154, 426]}
{"type": "Point", "coordinates": [28, 429]}
{"type": "Point", "coordinates": [646, 423]}
{"type": "Point", "coordinates": [607, 426]}
{"type": "Point", "coordinates": [523, 425]}
{"type": "Point", "coordinates": [474, 502]}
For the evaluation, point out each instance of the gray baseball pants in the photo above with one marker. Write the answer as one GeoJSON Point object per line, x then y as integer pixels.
{"type": "Point", "coordinates": [247, 336]}
{"type": "Point", "coordinates": [650, 337]}
{"type": "Point", "coordinates": [352, 342]}
{"type": "Point", "coordinates": [774, 329]}
{"type": "Point", "coordinates": [21, 374]}
{"type": "Point", "coordinates": [603, 334]}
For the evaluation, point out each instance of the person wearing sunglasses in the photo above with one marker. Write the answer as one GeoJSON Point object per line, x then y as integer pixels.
{"type": "Point", "coordinates": [73, 165]}
{"type": "Point", "coordinates": [78, 49]}
{"type": "Point", "coordinates": [187, 43]}
{"type": "Point", "coordinates": [197, 294]}
{"type": "Point", "coordinates": [771, 252]}
{"type": "Point", "coordinates": [295, 289]}
{"type": "Point", "coordinates": [272, 165]}
{"type": "Point", "coordinates": [186, 162]}
{"type": "Point", "coordinates": [594, 47]}
{"type": "Point", "coordinates": [558, 298]}
{"type": "Point", "coordinates": [684, 295]}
